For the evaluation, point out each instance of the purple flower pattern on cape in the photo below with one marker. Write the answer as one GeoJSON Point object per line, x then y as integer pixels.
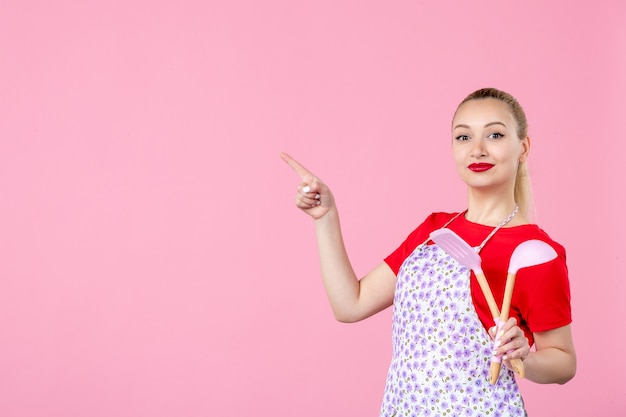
{"type": "Point", "coordinates": [441, 351]}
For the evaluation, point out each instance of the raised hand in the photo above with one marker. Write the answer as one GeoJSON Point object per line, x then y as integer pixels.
{"type": "Point", "coordinates": [312, 196]}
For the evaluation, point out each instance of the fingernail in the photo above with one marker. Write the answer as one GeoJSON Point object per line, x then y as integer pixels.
{"type": "Point", "coordinates": [505, 358]}
{"type": "Point", "coordinates": [497, 344]}
{"type": "Point", "coordinates": [306, 189]}
{"type": "Point", "coordinates": [317, 196]}
{"type": "Point", "coordinates": [501, 333]}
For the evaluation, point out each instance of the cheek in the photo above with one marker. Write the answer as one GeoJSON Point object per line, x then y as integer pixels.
{"type": "Point", "coordinates": [457, 153]}
{"type": "Point", "coordinates": [509, 154]}
{"type": "Point", "coordinates": [459, 161]}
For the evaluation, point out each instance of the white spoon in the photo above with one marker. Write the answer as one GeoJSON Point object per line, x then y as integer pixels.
{"type": "Point", "coordinates": [528, 253]}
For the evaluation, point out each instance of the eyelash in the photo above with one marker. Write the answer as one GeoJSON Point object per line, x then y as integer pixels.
{"type": "Point", "coordinates": [495, 135]}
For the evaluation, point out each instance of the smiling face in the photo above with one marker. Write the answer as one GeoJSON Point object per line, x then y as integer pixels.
{"type": "Point", "coordinates": [485, 144]}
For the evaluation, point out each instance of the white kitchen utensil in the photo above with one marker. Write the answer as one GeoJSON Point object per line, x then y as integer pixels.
{"type": "Point", "coordinates": [463, 253]}
{"type": "Point", "coordinates": [528, 253]}
{"type": "Point", "coordinates": [466, 255]}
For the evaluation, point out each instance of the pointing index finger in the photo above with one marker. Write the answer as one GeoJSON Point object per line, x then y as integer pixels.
{"type": "Point", "coordinates": [297, 166]}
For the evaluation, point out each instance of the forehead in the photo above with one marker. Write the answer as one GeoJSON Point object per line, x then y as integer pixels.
{"type": "Point", "coordinates": [483, 111]}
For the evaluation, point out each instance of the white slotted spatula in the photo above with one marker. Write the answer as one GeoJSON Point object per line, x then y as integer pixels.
{"type": "Point", "coordinates": [466, 255]}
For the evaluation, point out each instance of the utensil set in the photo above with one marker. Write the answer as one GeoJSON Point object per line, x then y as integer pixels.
{"type": "Point", "coordinates": [528, 253]}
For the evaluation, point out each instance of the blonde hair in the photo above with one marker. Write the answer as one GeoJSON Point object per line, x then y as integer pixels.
{"type": "Point", "coordinates": [522, 191]}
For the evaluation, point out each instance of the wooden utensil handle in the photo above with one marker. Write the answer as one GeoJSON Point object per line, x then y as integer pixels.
{"type": "Point", "coordinates": [494, 372]}
{"type": "Point", "coordinates": [516, 363]}
{"type": "Point", "coordinates": [518, 367]}
{"type": "Point", "coordinates": [491, 301]}
{"type": "Point", "coordinates": [508, 296]}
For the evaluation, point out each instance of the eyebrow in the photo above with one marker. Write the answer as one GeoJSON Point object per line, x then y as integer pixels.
{"type": "Point", "coordinates": [487, 125]}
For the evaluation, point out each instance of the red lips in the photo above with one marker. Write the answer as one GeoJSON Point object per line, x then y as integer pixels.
{"type": "Point", "coordinates": [480, 167]}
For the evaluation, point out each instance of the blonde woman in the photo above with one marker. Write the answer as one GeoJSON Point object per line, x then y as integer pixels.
{"type": "Point", "coordinates": [443, 330]}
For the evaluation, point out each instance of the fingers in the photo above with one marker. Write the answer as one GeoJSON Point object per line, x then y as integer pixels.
{"type": "Point", "coordinates": [510, 341]}
{"type": "Point", "coordinates": [297, 166]}
{"type": "Point", "coordinates": [308, 179]}
{"type": "Point", "coordinates": [505, 332]}
{"type": "Point", "coordinates": [313, 196]}
{"type": "Point", "coordinates": [308, 196]}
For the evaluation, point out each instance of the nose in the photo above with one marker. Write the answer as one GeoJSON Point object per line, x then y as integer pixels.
{"type": "Point", "coordinates": [478, 148]}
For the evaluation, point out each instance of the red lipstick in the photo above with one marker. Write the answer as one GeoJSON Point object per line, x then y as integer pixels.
{"type": "Point", "coordinates": [480, 167]}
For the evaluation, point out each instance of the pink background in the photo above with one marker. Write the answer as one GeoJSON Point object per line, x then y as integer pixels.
{"type": "Point", "coordinates": [151, 260]}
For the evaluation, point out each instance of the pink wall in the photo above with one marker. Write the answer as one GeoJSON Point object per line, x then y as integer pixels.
{"type": "Point", "coordinates": [151, 260]}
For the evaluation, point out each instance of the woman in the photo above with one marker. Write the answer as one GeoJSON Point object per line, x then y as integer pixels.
{"type": "Point", "coordinates": [442, 326]}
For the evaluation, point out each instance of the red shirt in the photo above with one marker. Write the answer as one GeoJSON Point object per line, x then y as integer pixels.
{"type": "Point", "coordinates": [541, 297]}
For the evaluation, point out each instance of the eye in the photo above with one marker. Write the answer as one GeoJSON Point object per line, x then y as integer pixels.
{"type": "Point", "coordinates": [496, 135]}
{"type": "Point", "coordinates": [462, 138]}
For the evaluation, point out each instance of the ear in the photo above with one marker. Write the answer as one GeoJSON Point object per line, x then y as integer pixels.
{"type": "Point", "coordinates": [525, 149]}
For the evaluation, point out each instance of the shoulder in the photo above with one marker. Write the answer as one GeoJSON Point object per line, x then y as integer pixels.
{"type": "Point", "coordinates": [518, 234]}
{"type": "Point", "coordinates": [560, 249]}
{"type": "Point", "coordinates": [501, 247]}
{"type": "Point", "coordinates": [545, 289]}
{"type": "Point", "coordinates": [419, 235]}
{"type": "Point", "coordinates": [438, 219]}
{"type": "Point", "coordinates": [433, 222]}
{"type": "Point", "coordinates": [551, 274]}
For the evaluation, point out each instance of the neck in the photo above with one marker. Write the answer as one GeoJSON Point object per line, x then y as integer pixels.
{"type": "Point", "coordinates": [490, 210]}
